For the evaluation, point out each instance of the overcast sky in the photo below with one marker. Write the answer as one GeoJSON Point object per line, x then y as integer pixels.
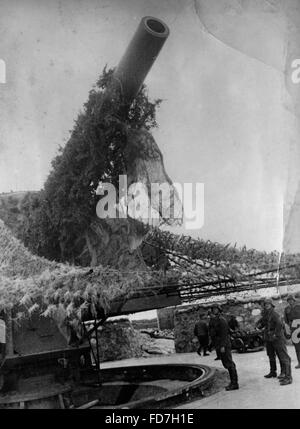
{"type": "Point", "coordinates": [223, 122]}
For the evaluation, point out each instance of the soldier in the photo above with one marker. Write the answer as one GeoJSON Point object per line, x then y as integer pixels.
{"type": "Point", "coordinates": [201, 332]}
{"type": "Point", "coordinates": [275, 344]}
{"type": "Point", "coordinates": [212, 335]}
{"type": "Point", "coordinates": [233, 323]}
{"type": "Point", "coordinates": [292, 319]}
{"type": "Point", "coordinates": [223, 346]}
{"type": "Point", "coordinates": [261, 324]}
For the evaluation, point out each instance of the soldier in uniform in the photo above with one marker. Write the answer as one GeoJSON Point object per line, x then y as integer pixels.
{"type": "Point", "coordinates": [222, 343]}
{"type": "Point", "coordinates": [212, 334]}
{"type": "Point", "coordinates": [292, 319]}
{"type": "Point", "coordinates": [275, 343]}
{"type": "Point", "coordinates": [201, 332]}
{"type": "Point", "coordinates": [233, 323]}
{"type": "Point", "coordinates": [261, 324]}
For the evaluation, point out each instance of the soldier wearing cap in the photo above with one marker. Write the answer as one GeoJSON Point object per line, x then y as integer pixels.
{"type": "Point", "coordinates": [275, 343]}
{"type": "Point", "coordinates": [212, 334]}
{"type": "Point", "coordinates": [261, 324]}
{"type": "Point", "coordinates": [223, 346]}
{"type": "Point", "coordinates": [292, 319]}
{"type": "Point", "coordinates": [201, 332]}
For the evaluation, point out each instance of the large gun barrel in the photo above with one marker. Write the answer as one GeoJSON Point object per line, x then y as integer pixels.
{"type": "Point", "coordinates": [138, 59]}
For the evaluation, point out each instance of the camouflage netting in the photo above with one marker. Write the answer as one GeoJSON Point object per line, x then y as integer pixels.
{"type": "Point", "coordinates": [59, 290]}
{"type": "Point", "coordinates": [219, 261]}
{"type": "Point", "coordinates": [145, 165]}
{"type": "Point", "coordinates": [64, 291]}
{"type": "Point", "coordinates": [116, 242]}
{"type": "Point", "coordinates": [118, 340]}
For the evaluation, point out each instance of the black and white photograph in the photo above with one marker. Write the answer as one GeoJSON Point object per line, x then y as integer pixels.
{"type": "Point", "coordinates": [150, 207]}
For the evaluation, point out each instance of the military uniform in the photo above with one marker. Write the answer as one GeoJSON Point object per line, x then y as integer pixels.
{"type": "Point", "coordinates": [221, 335]}
{"type": "Point", "coordinates": [201, 332]}
{"type": "Point", "coordinates": [275, 345]}
{"type": "Point", "coordinates": [271, 351]}
{"type": "Point", "coordinates": [212, 335]}
{"type": "Point", "coordinates": [233, 323]}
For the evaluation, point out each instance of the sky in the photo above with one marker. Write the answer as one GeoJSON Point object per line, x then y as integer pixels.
{"type": "Point", "coordinates": [224, 120]}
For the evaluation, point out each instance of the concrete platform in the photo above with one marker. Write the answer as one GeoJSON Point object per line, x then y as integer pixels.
{"type": "Point", "coordinates": [255, 391]}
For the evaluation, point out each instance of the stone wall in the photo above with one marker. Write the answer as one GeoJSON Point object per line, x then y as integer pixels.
{"type": "Point", "coordinates": [247, 312]}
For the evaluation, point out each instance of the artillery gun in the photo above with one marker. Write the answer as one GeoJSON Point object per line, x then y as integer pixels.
{"type": "Point", "coordinates": [37, 352]}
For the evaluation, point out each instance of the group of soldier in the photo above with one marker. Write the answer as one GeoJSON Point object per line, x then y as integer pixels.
{"type": "Point", "coordinates": [275, 331]}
